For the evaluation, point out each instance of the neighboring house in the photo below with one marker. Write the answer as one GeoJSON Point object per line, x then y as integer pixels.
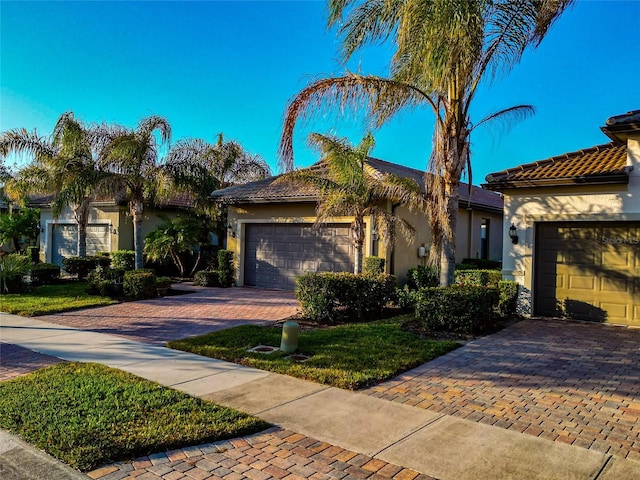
{"type": "Point", "coordinates": [270, 229]}
{"type": "Point", "coordinates": [577, 219]}
{"type": "Point", "coordinates": [110, 226]}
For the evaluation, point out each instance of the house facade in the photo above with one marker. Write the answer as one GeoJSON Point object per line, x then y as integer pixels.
{"type": "Point", "coordinates": [271, 231]}
{"type": "Point", "coordinates": [110, 226]}
{"type": "Point", "coordinates": [577, 221]}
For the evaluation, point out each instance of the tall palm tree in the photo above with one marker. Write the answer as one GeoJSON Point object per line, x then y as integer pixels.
{"type": "Point", "coordinates": [348, 186]}
{"type": "Point", "coordinates": [445, 49]}
{"type": "Point", "coordinates": [63, 165]}
{"type": "Point", "coordinates": [132, 159]}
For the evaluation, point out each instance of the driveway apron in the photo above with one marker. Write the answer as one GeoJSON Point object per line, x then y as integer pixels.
{"type": "Point", "coordinates": [159, 320]}
{"type": "Point", "coordinates": [570, 382]}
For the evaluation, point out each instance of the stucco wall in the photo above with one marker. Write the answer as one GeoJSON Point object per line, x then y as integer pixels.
{"type": "Point", "coordinates": [524, 207]}
{"type": "Point", "coordinates": [403, 257]}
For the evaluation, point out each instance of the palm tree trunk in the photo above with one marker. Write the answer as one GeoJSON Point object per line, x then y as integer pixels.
{"type": "Point", "coordinates": [358, 241]}
{"type": "Point", "coordinates": [448, 250]}
{"type": "Point", "coordinates": [137, 210]}
{"type": "Point", "coordinates": [81, 213]}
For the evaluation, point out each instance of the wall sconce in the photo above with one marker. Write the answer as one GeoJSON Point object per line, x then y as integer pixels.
{"type": "Point", "coordinates": [375, 235]}
{"type": "Point", "coordinates": [40, 228]}
{"type": "Point", "coordinates": [513, 234]}
{"type": "Point", "coordinates": [114, 230]}
{"type": "Point", "coordinates": [422, 251]}
{"type": "Point", "coordinates": [232, 233]}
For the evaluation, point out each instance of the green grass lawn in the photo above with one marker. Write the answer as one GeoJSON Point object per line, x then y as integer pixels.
{"type": "Point", "coordinates": [52, 299]}
{"type": "Point", "coordinates": [87, 415]}
{"type": "Point", "coordinates": [350, 356]}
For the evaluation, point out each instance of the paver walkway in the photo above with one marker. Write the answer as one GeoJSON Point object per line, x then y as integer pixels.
{"type": "Point", "coordinates": [571, 382]}
{"type": "Point", "coordinates": [159, 320]}
{"type": "Point", "coordinates": [16, 361]}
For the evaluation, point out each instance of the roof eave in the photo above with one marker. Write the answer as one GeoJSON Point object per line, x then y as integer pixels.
{"type": "Point", "coordinates": [612, 179]}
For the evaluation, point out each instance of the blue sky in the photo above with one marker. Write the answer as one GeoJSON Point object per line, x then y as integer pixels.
{"type": "Point", "coordinates": [230, 67]}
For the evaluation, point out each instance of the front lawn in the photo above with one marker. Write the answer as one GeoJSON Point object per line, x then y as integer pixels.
{"type": "Point", "coordinates": [349, 356]}
{"type": "Point", "coordinates": [87, 415]}
{"type": "Point", "coordinates": [49, 299]}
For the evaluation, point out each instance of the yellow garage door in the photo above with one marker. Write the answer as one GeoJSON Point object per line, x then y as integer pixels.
{"type": "Point", "coordinates": [588, 271]}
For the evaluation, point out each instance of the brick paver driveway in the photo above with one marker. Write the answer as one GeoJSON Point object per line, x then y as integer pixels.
{"type": "Point", "coordinates": [168, 318]}
{"type": "Point", "coordinates": [566, 381]}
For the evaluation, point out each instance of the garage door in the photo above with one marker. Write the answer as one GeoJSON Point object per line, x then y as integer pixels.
{"type": "Point", "coordinates": [65, 240]}
{"type": "Point", "coordinates": [276, 253]}
{"type": "Point", "coordinates": [589, 271]}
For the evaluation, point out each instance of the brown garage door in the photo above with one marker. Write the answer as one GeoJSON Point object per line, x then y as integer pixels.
{"type": "Point", "coordinates": [588, 271]}
{"type": "Point", "coordinates": [276, 253]}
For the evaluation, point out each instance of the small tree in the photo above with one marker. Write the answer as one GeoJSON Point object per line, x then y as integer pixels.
{"type": "Point", "coordinates": [18, 224]}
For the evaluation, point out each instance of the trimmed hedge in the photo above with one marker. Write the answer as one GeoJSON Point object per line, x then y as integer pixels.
{"type": "Point", "coordinates": [34, 254]}
{"type": "Point", "coordinates": [139, 284]}
{"type": "Point", "coordinates": [329, 296]}
{"type": "Point", "coordinates": [422, 277]}
{"type": "Point", "coordinates": [226, 268]}
{"type": "Point", "coordinates": [44, 273]}
{"type": "Point", "coordinates": [123, 259]}
{"type": "Point", "coordinates": [480, 278]}
{"type": "Point", "coordinates": [465, 309]}
{"type": "Point", "coordinates": [508, 298]}
{"type": "Point", "coordinates": [481, 263]}
{"type": "Point", "coordinates": [81, 266]}
{"type": "Point", "coordinates": [207, 278]}
{"type": "Point", "coordinates": [373, 266]}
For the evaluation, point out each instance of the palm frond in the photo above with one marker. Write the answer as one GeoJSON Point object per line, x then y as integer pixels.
{"type": "Point", "coordinates": [376, 98]}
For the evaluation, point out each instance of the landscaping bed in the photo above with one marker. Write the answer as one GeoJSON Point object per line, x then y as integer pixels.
{"type": "Point", "coordinates": [88, 415]}
{"type": "Point", "coordinates": [350, 356]}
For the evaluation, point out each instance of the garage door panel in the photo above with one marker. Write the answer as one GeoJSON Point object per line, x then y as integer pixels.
{"type": "Point", "coordinates": [275, 254]}
{"type": "Point", "coordinates": [595, 271]}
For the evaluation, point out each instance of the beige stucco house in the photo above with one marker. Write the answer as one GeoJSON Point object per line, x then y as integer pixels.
{"type": "Point", "coordinates": [577, 219]}
{"type": "Point", "coordinates": [270, 229]}
{"type": "Point", "coordinates": [110, 226]}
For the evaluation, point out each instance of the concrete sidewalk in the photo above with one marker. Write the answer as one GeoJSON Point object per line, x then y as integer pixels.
{"type": "Point", "coordinates": [431, 443]}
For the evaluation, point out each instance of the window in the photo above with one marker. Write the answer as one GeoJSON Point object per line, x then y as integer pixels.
{"type": "Point", "coordinates": [484, 238]}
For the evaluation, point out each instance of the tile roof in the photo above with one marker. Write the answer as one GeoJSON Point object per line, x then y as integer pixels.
{"type": "Point", "coordinates": [600, 164]}
{"type": "Point", "coordinates": [269, 191]}
{"type": "Point", "coordinates": [182, 200]}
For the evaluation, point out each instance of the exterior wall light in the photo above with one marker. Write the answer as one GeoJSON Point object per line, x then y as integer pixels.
{"type": "Point", "coordinates": [513, 234]}
{"type": "Point", "coordinates": [232, 233]}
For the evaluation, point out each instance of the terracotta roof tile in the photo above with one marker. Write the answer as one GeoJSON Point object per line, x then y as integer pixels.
{"type": "Point", "coordinates": [268, 191]}
{"type": "Point", "coordinates": [591, 164]}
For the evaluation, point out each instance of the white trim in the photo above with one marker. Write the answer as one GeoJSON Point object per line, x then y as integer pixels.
{"type": "Point", "coordinates": [46, 237]}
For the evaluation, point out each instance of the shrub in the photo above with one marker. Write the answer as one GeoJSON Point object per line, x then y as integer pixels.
{"type": "Point", "coordinates": [481, 263]}
{"type": "Point", "coordinates": [406, 298]}
{"type": "Point", "coordinates": [139, 284]}
{"type": "Point", "coordinates": [163, 282]}
{"type": "Point", "coordinates": [34, 254]}
{"type": "Point", "coordinates": [81, 266]}
{"type": "Point", "coordinates": [508, 298]}
{"type": "Point", "coordinates": [226, 268]}
{"type": "Point", "coordinates": [329, 296]}
{"type": "Point", "coordinates": [482, 278]}
{"type": "Point", "coordinates": [105, 281]}
{"type": "Point", "coordinates": [123, 259]}
{"type": "Point", "coordinates": [373, 266]}
{"type": "Point", "coordinates": [462, 309]}
{"type": "Point", "coordinates": [423, 277]}
{"type": "Point", "coordinates": [44, 273]}
{"type": "Point", "coordinates": [13, 267]}
{"type": "Point", "coordinates": [207, 278]}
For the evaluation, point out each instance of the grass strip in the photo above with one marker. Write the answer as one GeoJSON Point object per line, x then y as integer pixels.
{"type": "Point", "coordinates": [87, 415]}
{"type": "Point", "coordinates": [350, 356]}
{"type": "Point", "coordinates": [48, 299]}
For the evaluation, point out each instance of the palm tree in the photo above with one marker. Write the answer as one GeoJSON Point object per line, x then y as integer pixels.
{"type": "Point", "coordinates": [199, 168]}
{"type": "Point", "coordinates": [63, 165]}
{"type": "Point", "coordinates": [348, 186]}
{"type": "Point", "coordinates": [132, 159]}
{"type": "Point", "coordinates": [445, 49]}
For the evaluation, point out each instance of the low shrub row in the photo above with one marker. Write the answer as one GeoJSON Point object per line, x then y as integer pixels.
{"type": "Point", "coordinates": [465, 309]}
{"type": "Point", "coordinates": [81, 266]}
{"type": "Point", "coordinates": [329, 296]}
{"type": "Point", "coordinates": [478, 277]}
